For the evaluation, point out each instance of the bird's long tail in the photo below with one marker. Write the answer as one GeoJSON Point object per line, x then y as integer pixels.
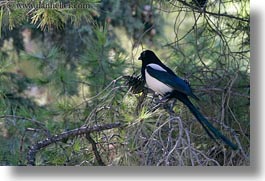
{"type": "Point", "coordinates": [209, 128]}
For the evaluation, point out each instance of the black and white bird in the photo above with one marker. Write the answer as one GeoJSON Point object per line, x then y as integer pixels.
{"type": "Point", "coordinates": [166, 83]}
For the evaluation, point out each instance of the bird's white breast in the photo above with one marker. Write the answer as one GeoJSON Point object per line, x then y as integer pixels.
{"type": "Point", "coordinates": [155, 84]}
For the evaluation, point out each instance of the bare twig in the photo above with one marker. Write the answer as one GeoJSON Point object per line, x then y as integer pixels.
{"type": "Point", "coordinates": [95, 149]}
{"type": "Point", "coordinates": [33, 120]}
{"type": "Point", "coordinates": [213, 13]}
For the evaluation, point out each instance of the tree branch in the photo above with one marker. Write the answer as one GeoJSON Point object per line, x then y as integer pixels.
{"type": "Point", "coordinates": [56, 138]}
{"type": "Point", "coordinates": [95, 150]}
{"type": "Point", "coordinates": [213, 13]}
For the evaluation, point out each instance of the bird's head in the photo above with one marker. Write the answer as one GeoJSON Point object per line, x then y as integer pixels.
{"type": "Point", "coordinates": [148, 56]}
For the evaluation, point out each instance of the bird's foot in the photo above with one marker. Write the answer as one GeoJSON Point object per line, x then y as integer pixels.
{"type": "Point", "coordinates": [159, 102]}
{"type": "Point", "coordinates": [165, 98]}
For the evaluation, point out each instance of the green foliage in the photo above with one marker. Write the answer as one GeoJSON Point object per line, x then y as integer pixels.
{"type": "Point", "coordinates": [49, 18]}
{"type": "Point", "coordinates": [64, 68]}
{"type": "Point", "coordinates": [13, 18]}
{"type": "Point", "coordinates": [103, 60]}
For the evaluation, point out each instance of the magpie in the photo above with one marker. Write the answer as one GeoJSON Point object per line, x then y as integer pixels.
{"type": "Point", "coordinates": [162, 80]}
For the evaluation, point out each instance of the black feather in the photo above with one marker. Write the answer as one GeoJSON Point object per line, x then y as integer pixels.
{"type": "Point", "coordinates": [180, 90]}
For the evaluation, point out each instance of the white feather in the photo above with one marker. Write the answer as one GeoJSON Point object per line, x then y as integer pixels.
{"type": "Point", "coordinates": [156, 67]}
{"type": "Point", "coordinates": [155, 84]}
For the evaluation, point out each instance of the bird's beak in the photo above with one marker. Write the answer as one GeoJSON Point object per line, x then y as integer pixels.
{"type": "Point", "coordinates": [140, 58]}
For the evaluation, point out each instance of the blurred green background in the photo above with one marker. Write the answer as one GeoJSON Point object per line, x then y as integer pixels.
{"type": "Point", "coordinates": [63, 68]}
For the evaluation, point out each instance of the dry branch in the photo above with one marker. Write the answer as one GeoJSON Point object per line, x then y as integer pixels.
{"type": "Point", "coordinates": [56, 138]}
{"type": "Point", "coordinates": [95, 150]}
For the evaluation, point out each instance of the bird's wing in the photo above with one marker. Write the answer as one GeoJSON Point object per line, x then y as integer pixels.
{"type": "Point", "coordinates": [173, 81]}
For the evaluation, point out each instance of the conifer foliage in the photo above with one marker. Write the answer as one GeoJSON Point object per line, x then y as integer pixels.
{"type": "Point", "coordinates": [71, 94]}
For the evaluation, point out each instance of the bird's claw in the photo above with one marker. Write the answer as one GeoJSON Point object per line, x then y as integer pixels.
{"type": "Point", "coordinates": [165, 98]}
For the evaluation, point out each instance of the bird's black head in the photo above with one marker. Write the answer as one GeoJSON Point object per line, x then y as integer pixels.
{"type": "Point", "coordinates": [148, 56]}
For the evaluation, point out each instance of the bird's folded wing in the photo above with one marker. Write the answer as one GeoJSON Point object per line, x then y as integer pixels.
{"type": "Point", "coordinates": [171, 80]}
